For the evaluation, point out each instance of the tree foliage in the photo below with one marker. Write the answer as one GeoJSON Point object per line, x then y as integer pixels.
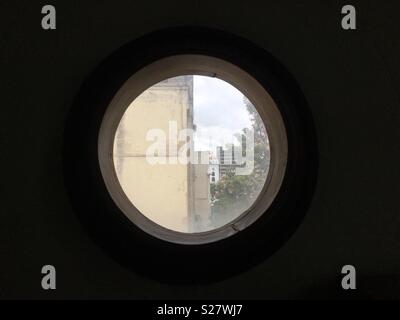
{"type": "Point", "coordinates": [233, 194]}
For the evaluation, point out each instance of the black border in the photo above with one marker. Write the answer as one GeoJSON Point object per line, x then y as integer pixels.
{"type": "Point", "coordinates": [134, 248]}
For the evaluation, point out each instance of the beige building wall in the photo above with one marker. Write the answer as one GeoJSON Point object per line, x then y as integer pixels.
{"type": "Point", "coordinates": [173, 195]}
{"type": "Point", "coordinates": [201, 200]}
{"type": "Point", "coordinates": [159, 191]}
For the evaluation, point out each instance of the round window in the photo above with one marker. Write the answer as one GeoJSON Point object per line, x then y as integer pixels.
{"type": "Point", "coordinates": [193, 160]}
{"type": "Point", "coordinates": [190, 155]}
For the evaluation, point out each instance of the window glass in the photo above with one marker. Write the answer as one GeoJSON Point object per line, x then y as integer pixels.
{"type": "Point", "coordinates": [191, 153]}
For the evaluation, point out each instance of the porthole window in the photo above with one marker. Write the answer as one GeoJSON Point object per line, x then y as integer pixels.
{"type": "Point", "coordinates": [166, 140]}
{"type": "Point", "coordinates": [177, 134]}
{"type": "Point", "coordinates": [190, 155]}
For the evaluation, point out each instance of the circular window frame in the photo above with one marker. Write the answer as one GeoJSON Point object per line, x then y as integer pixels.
{"type": "Point", "coordinates": [135, 248]}
{"type": "Point", "coordinates": [174, 66]}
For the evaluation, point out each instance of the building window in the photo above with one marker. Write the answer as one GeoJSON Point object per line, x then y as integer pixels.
{"type": "Point", "coordinates": [173, 135]}
{"type": "Point", "coordinates": [168, 138]}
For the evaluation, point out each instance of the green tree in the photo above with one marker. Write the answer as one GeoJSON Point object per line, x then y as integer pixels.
{"type": "Point", "coordinates": [233, 194]}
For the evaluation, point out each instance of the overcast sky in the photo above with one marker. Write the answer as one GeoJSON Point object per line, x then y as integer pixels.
{"type": "Point", "coordinates": [219, 112]}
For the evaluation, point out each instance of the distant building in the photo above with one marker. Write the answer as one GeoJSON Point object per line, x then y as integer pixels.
{"type": "Point", "coordinates": [213, 170]}
{"type": "Point", "coordinates": [228, 159]}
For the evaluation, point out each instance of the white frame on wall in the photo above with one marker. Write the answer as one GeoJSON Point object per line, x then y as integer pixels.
{"type": "Point", "coordinates": [174, 66]}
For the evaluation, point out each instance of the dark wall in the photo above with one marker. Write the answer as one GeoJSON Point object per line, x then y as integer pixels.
{"type": "Point", "coordinates": [351, 80]}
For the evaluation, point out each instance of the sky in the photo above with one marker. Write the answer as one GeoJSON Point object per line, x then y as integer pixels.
{"type": "Point", "coordinates": [219, 113]}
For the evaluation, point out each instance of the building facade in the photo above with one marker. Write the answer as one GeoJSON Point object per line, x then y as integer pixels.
{"type": "Point", "coordinates": [170, 193]}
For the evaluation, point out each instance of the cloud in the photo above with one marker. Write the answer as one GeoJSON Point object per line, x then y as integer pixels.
{"type": "Point", "coordinates": [219, 112]}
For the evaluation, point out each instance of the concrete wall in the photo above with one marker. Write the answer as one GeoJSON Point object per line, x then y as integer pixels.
{"type": "Point", "coordinates": [160, 189]}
